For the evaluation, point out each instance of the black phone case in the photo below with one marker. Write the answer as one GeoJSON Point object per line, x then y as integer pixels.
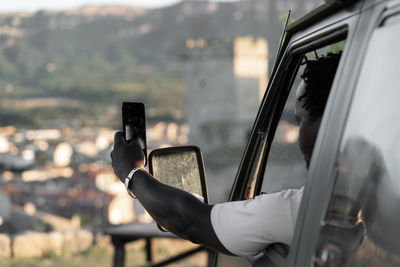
{"type": "Point", "coordinates": [134, 124]}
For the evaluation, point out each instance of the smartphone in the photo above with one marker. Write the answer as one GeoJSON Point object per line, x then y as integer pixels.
{"type": "Point", "coordinates": [134, 124]}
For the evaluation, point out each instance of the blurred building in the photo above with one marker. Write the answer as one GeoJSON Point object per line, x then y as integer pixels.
{"type": "Point", "coordinates": [46, 173]}
{"type": "Point", "coordinates": [225, 82]}
{"type": "Point", "coordinates": [164, 134]}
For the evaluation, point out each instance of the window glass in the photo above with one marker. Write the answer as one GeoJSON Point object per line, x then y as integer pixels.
{"type": "Point", "coordinates": [361, 223]}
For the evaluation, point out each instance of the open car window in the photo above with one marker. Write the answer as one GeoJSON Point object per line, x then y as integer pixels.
{"type": "Point", "coordinates": [285, 166]}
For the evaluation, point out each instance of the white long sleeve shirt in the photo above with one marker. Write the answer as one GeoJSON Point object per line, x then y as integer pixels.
{"type": "Point", "coordinates": [249, 226]}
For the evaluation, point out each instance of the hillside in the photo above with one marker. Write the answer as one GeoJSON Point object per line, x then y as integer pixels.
{"type": "Point", "coordinates": [88, 60]}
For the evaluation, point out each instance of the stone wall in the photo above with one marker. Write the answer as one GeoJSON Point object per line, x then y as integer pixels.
{"type": "Point", "coordinates": [77, 241]}
{"type": "Point", "coordinates": [5, 246]}
{"type": "Point", "coordinates": [36, 244]}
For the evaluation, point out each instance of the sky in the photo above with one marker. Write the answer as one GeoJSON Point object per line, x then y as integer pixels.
{"type": "Point", "coordinates": [34, 5]}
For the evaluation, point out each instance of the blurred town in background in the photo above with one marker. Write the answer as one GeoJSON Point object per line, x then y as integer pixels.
{"type": "Point", "coordinates": [200, 67]}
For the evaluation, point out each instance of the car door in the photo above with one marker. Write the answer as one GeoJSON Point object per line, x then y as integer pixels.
{"type": "Point", "coordinates": [265, 146]}
{"type": "Point", "coordinates": [360, 215]}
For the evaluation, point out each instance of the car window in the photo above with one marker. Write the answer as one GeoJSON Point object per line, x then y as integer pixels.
{"type": "Point", "coordinates": [360, 227]}
{"type": "Point", "coordinates": [286, 166]}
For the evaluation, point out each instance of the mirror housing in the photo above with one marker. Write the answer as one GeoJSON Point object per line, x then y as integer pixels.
{"type": "Point", "coordinates": [181, 167]}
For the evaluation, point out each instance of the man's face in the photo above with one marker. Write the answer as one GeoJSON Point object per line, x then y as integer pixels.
{"type": "Point", "coordinates": [308, 127]}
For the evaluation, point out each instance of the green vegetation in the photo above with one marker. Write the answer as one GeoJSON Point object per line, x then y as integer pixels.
{"type": "Point", "coordinates": [283, 18]}
{"type": "Point", "coordinates": [87, 69]}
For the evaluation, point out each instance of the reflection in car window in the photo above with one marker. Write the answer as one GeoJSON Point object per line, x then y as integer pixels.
{"type": "Point", "coordinates": [362, 219]}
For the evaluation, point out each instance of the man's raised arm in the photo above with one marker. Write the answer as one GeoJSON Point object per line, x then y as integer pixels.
{"type": "Point", "coordinates": [176, 210]}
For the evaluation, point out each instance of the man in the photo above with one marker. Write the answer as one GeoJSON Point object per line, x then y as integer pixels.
{"type": "Point", "coordinates": [242, 227]}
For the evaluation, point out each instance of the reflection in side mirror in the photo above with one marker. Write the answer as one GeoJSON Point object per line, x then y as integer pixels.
{"type": "Point", "coordinates": [180, 167]}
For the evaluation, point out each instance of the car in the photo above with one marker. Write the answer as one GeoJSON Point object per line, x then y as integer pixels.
{"type": "Point", "coordinates": [350, 210]}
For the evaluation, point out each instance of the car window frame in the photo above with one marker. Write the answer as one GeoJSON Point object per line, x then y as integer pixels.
{"type": "Point", "coordinates": [323, 38]}
{"type": "Point", "coordinates": [267, 106]}
{"type": "Point", "coordinates": [276, 97]}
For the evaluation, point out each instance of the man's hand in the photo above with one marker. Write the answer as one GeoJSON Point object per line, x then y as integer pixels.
{"type": "Point", "coordinates": [125, 156]}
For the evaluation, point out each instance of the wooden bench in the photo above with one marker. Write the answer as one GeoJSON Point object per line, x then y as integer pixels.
{"type": "Point", "coordinates": [122, 234]}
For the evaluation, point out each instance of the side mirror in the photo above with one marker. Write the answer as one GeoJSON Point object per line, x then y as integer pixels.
{"type": "Point", "coordinates": [180, 167]}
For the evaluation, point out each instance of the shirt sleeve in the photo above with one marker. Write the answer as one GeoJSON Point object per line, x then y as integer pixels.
{"type": "Point", "coordinates": [247, 227]}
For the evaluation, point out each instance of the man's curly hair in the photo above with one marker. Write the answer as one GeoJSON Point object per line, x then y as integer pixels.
{"type": "Point", "coordinates": [318, 77]}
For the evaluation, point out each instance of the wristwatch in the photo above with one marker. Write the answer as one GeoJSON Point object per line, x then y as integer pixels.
{"type": "Point", "coordinates": [128, 180]}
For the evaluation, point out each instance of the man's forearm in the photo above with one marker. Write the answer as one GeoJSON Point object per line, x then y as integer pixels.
{"type": "Point", "coordinates": [176, 210]}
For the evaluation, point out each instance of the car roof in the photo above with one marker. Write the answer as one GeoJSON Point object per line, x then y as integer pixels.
{"type": "Point", "coordinates": [323, 10]}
